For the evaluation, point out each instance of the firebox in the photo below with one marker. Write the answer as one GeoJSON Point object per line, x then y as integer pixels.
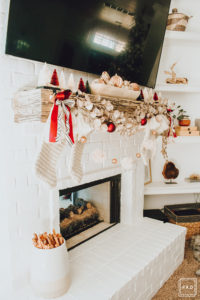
{"type": "Point", "coordinates": [89, 209]}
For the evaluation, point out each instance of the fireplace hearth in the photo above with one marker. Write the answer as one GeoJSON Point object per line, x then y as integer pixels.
{"type": "Point", "coordinates": [88, 209]}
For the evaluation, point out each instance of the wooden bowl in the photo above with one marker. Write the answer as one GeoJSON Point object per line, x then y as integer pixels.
{"type": "Point", "coordinates": [185, 122]}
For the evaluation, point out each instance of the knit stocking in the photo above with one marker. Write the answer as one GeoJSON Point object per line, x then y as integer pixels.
{"type": "Point", "coordinates": [46, 162]}
{"type": "Point", "coordinates": [75, 167]}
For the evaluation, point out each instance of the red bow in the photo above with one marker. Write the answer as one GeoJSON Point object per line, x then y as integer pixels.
{"type": "Point", "coordinates": [61, 118]}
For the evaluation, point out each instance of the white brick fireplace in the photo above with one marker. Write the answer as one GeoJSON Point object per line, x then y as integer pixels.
{"type": "Point", "coordinates": [127, 254]}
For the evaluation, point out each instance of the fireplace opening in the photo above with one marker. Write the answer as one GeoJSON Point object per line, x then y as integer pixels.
{"type": "Point", "coordinates": [88, 209]}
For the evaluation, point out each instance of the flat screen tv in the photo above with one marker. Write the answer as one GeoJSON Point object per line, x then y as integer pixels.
{"type": "Point", "coordinates": [118, 36]}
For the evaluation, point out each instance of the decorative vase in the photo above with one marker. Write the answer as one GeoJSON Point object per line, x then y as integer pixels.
{"type": "Point", "coordinates": [184, 122]}
{"type": "Point", "coordinates": [50, 271]}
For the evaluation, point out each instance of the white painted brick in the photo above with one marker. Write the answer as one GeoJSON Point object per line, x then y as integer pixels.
{"type": "Point", "coordinates": [19, 80]}
{"type": "Point", "coordinates": [22, 66]}
{"type": "Point", "coordinates": [4, 6]}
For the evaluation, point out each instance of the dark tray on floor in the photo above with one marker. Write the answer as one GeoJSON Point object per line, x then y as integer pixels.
{"type": "Point", "coordinates": [186, 213]}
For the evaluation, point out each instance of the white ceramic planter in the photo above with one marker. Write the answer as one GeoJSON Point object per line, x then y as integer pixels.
{"type": "Point", "coordinates": [50, 271]}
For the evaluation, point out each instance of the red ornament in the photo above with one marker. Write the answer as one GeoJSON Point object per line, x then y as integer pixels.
{"type": "Point", "coordinates": [111, 127]}
{"type": "Point", "coordinates": [81, 86]}
{"type": "Point", "coordinates": [155, 97]}
{"type": "Point", "coordinates": [143, 121]}
{"type": "Point", "coordinates": [169, 110]}
{"type": "Point", "coordinates": [63, 95]}
{"type": "Point", "coordinates": [54, 78]}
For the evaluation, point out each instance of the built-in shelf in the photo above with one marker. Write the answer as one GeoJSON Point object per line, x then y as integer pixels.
{"type": "Point", "coordinates": [181, 140]}
{"type": "Point", "coordinates": [187, 140]}
{"type": "Point", "coordinates": [177, 88]}
{"type": "Point", "coordinates": [183, 35]}
{"type": "Point", "coordinates": [161, 188]}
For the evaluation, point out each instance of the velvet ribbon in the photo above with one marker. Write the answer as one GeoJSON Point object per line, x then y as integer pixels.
{"type": "Point", "coordinates": [61, 118]}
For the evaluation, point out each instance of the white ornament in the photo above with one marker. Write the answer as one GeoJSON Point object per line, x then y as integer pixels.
{"type": "Point", "coordinates": [88, 105]}
{"type": "Point", "coordinates": [80, 103]}
{"type": "Point", "coordinates": [109, 106]}
{"type": "Point", "coordinates": [98, 112]}
{"type": "Point", "coordinates": [71, 83]}
{"type": "Point", "coordinates": [93, 115]}
{"type": "Point", "coordinates": [97, 123]}
{"type": "Point", "coordinates": [116, 114]}
{"type": "Point", "coordinates": [104, 127]}
{"type": "Point", "coordinates": [103, 102]}
{"type": "Point", "coordinates": [44, 76]}
{"type": "Point", "coordinates": [129, 125]}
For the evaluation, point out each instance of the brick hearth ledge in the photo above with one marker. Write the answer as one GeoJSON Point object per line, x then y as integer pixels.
{"type": "Point", "coordinates": [123, 263]}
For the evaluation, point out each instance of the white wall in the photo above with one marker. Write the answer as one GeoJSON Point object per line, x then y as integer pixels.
{"type": "Point", "coordinates": [185, 154]}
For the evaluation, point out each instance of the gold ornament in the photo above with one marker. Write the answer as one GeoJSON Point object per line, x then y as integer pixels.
{"type": "Point", "coordinates": [83, 139]}
{"type": "Point", "coordinates": [114, 161]}
{"type": "Point", "coordinates": [126, 83]}
{"type": "Point", "coordinates": [135, 86]}
{"type": "Point", "coordinates": [138, 155]}
{"type": "Point", "coordinates": [116, 81]}
{"type": "Point", "coordinates": [105, 76]}
{"type": "Point", "coordinates": [154, 132]}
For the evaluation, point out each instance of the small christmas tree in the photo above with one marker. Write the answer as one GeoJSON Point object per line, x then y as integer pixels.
{"type": "Point", "coordinates": [81, 85]}
{"type": "Point", "coordinates": [141, 96]}
{"type": "Point", "coordinates": [87, 88]}
{"type": "Point", "coordinates": [54, 78]}
{"type": "Point", "coordinates": [155, 97]}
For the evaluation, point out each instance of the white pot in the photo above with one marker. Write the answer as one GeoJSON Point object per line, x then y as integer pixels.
{"type": "Point", "coordinates": [50, 271]}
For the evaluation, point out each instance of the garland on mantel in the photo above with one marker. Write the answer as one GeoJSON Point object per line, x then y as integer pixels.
{"type": "Point", "coordinates": [110, 114]}
{"type": "Point", "coordinates": [128, 116]}
{"type": "Point", "coordinates": [74, 116]}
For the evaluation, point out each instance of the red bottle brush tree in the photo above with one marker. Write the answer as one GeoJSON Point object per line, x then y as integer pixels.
{"type": "Point", "coordinates": [54, 78]}
{"type": "Point", "coordinates": [81, 86]}
{"type": "Point", "coordinates": [155, 97]}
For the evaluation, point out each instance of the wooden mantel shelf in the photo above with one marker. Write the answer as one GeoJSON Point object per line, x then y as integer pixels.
{"type": "Point", "coordinates": [161, 188]}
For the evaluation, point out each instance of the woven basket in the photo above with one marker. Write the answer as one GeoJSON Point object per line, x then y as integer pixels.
{"type": "Point", "coordinates": [192, 228]}
{"type": "Point", "coordinates": [32, 105]}
{"type": "Point", "coordinates": [177, 21]}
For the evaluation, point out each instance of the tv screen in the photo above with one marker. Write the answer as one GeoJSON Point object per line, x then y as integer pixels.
{"type": "Point", "coordinates": [118, 36]}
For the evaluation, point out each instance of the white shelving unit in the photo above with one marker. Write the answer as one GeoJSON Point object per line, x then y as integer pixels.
{"type": "Point", "coordinates": [187, 140]}
{"type": "Point", "coordinates": [181, 140]}
{"type": "Point", "coordinates": [161, 188]}
{"type": "Point", "coordinates": [177, 88]}
{"type": "Point", "coordinates": [182, 35]}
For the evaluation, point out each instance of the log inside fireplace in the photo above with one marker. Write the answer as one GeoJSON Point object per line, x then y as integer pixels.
{"type": "Point", "coordinates": [89, 209]}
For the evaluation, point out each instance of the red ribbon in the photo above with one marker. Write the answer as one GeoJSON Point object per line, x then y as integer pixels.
{"type": "Point", "coordinates": [61, 96]}
{"type": "Point", "coordinates": [171, 127]}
